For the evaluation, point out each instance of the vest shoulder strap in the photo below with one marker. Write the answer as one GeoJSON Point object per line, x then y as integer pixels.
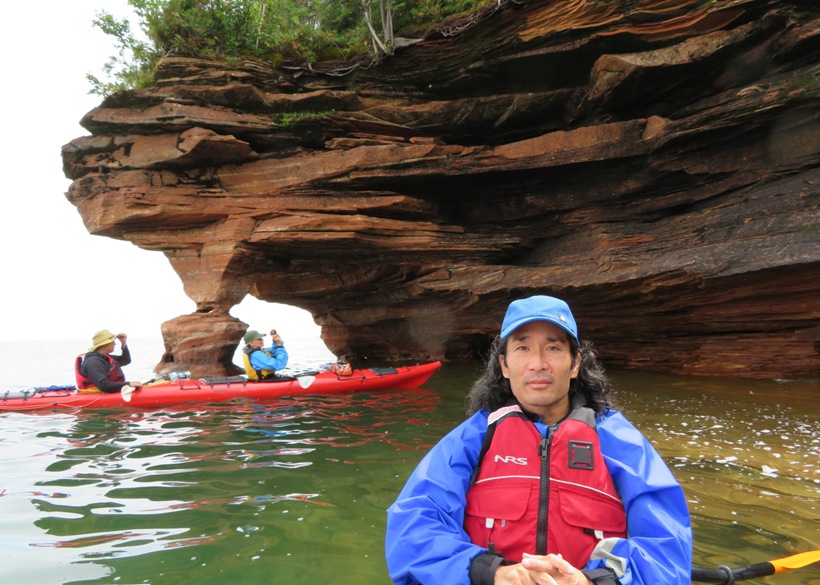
{"type": "Point", "coordinates": [579, 413]}
{"type": "Point", "coordinates": [492, 423]}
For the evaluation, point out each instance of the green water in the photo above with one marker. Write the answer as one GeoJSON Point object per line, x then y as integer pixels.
{"type": "Point", "coordinates": [294, 491]}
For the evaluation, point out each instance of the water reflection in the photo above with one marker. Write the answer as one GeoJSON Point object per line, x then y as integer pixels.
{"type": "Point", "coordinates": [296, 488]}
{"type": "Point", "coordinates": [747, 454]}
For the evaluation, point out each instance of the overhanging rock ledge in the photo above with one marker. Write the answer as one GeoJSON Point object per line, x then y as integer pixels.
{"type": "Point", "coordinates": [654, 163]}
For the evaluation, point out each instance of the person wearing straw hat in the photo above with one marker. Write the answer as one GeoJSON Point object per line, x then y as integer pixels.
{"type": "Point", "coordinates": [99, 370]}
{"type": "Point", "coordinates": [544, 482]}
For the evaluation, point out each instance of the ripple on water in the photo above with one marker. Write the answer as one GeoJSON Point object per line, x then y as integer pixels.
{"type": "Point", "coordinates": [294, 490]}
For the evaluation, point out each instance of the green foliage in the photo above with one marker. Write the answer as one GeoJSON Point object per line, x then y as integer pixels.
{"type": "Point", "coordinates": [133, 64]}
{"type": "Point", "coordinates": [292, 118]}
{"type": "Point", "coordinates": [412, 13]}
{"type": "Point", "coordinates": [302, 31]}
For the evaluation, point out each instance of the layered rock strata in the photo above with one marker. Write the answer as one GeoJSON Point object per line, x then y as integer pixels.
{"type": "Point", "coordinates": [656, 163]}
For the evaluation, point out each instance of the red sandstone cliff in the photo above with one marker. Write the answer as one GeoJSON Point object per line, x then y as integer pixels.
{"type": "Point", "coordinates": [655, 163]}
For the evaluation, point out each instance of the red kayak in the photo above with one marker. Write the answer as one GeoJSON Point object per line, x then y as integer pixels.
{"type": "Point", "coordinates": [220, 389]}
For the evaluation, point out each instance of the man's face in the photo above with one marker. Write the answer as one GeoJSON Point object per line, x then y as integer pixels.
{"type": "Point", "coordinates": [107, 348]}
{"type": "Point", "coordinates": [257, 343]}
{"type": "Point", "coordinates": [538, 364]}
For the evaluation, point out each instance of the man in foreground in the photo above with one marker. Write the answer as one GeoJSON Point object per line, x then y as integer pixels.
{"type": "Point", "coordinates": [544, 483]}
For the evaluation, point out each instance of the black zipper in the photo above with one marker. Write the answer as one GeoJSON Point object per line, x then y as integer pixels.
{"type": "Point", "coordinates": [544, 495]}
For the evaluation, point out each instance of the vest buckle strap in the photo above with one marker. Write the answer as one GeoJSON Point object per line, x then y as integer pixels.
{"type": "Point", "coordinates": [581, 455]}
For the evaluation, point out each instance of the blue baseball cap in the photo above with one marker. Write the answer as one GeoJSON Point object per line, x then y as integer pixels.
{"type": "Point", "coordinates": [539, 308]}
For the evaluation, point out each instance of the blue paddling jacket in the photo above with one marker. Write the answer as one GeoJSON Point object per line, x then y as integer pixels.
{"type": "Point", "coordinates": [426, 542]}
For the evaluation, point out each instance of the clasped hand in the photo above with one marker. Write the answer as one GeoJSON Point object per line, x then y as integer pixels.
{"type": "Point", "coordinates": [540, 570]}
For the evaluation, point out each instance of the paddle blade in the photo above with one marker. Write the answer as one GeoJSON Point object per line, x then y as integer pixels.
{"type": "Point", "coordinates": [305, 381]}
{"type": "Point", "coordinates": [795, 561]}
{"type": "Point", "coordinates": [126, 393]}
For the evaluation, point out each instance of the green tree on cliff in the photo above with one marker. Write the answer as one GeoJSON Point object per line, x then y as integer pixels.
{"type": "Point", "coordinates": [281, 31]}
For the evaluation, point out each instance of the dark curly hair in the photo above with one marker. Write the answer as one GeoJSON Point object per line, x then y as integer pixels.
{"type": "Point", "coordinates": [492, 390]}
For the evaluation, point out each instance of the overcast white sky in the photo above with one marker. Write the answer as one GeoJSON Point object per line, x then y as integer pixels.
{"type": "Point", "coordinates": [48, 293]}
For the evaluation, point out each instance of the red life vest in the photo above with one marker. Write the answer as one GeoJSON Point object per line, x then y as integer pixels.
{"type": "Point", "coordinates": [115, 373]}
{"type": "Point", "coordinates": [537, 495]}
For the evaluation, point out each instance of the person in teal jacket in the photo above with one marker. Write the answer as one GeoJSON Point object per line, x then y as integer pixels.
{"type": "Point", "coordinates": [260, 362]}
{"type": "Point", "coordinates": [540, 374]}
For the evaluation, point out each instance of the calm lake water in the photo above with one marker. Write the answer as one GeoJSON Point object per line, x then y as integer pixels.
{"type": "Point", "coordinates": [295, 490]}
